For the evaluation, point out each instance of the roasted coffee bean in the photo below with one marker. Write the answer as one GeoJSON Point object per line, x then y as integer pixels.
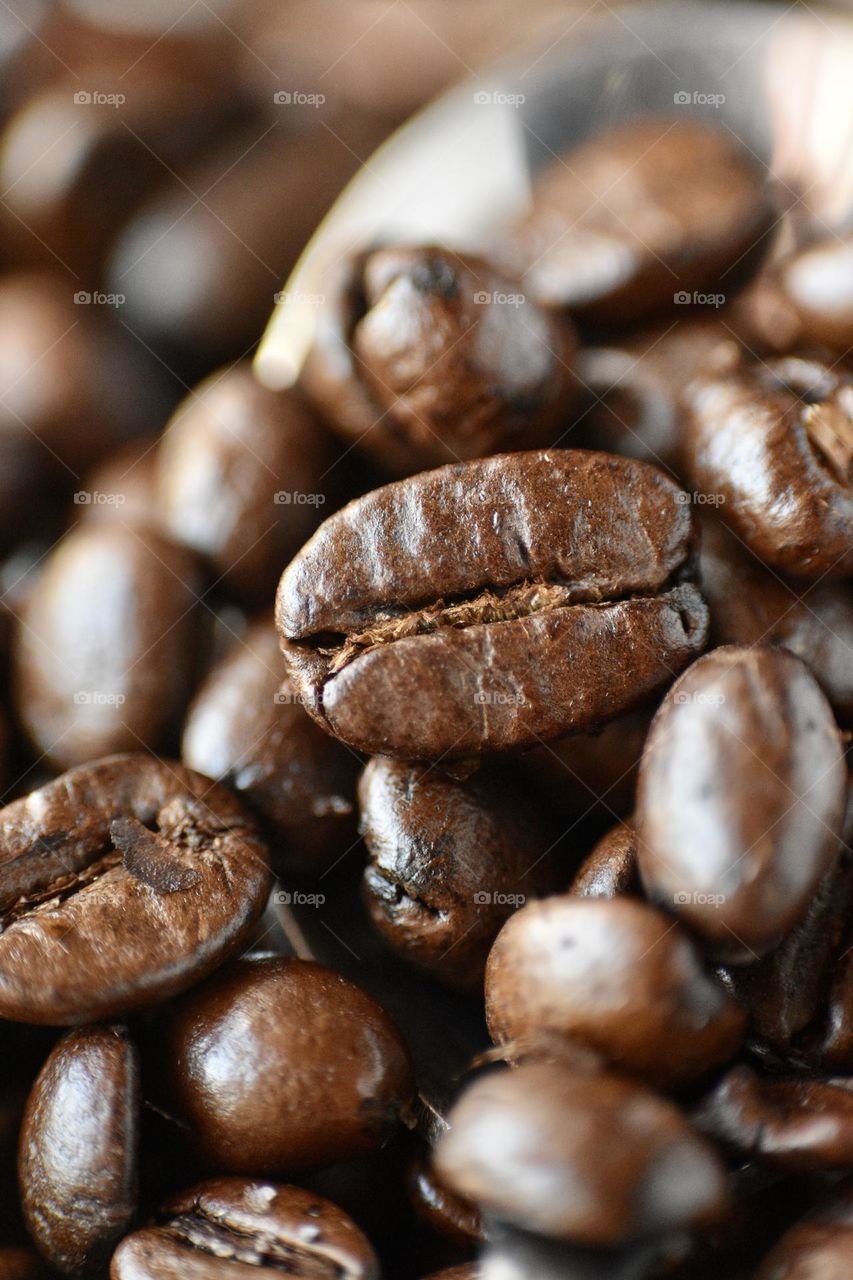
{"type": "Point", "coordinates": [772, 443]}
{"type": "Point", "coordinates": [108, 646]}
{"type": "Point", "coordinates": [610, 869]}
{"type": "Point", "coordinates": [591, 773]}
{"type": "Point", "coordinates": [741, 798]}
{"type": "Point", "coordinates": [521, 1142]}
{"type": "Point", "coordinates": [125, 485]}
{"type": "Point", "coordinates": [121, 883]}
{"type": "Point", "coordinates": [438, 1208]}
{"type": "Point", "coordinates": [616, 976]}
{"type": "Point", "coordinates": [819, 1246]}
{"type": "Point", "coordinates": [78, 1154]}
{"type": "Point", "coordinates": [424, 356]}
{"type": "Point", "coordinates": [280, 1064]}
{"type": "Point", "coordinates": [492, 605]}
{"type": "Point", "coordinates": [754, 605]}
{"type": "Point", "coordinates": [230, 1228]}
{"type": "Point", "coordinates": [818, 282]}
{"type": "Point", "coordinates": [246, 728]}
{"type": "Point", "coordinates": [449, 862]}
{"type": "Point", "coordinates": [634, 220]}
{"type": "Point", "coordinates": [792, 1124]}
{"type": "Point", "coordinates": [467, 1272]}
{"type": "Point", "coordinates": [242, 475]}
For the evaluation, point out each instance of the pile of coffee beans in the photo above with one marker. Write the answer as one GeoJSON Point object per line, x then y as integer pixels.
{"type": "Point", "coordinates": [426, 829]}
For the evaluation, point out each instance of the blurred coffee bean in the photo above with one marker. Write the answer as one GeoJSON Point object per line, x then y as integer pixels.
{"type": "Point", "coordinates": [469, 1271]}
{"type": "Point", "coordinates": [614, 975]}
{"type": "Point", "coordinates": [19, 1263]}
{"type": "Point", "coordinates": [243, 475]}
{"type": "Point", "coordinates": [246, 728]}
{"type": "Point", "coordinates": [591, 772]}
{"type": "Point", "coordinates": [818, 281]}
{"type": "Point", "coordinates": [449, 861]}
{"type": "Point", "coordinates": [123, 487]}
{"type": "Point", "coordinates": [610, 869]}
{"type": "Point", "coordinates": [439, 1209]}
{"type": "Point", "coordinates": [108, 646]}
{"type": "Point", "coordinates": [741, 798]}
{"type": "Point", "coordinates": [522, 1141]}
{"type": "Point", "coordinates": [78, 1157]}
{"type": "Point", "coordinates": [819, 1246]}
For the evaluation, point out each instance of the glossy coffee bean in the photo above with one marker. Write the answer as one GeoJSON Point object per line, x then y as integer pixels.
{"type": "Point", "coordinates": [819, 1246]}
{"type": "Point", "coordinates": [627, 222]}
{"type": "Point", "coordinates": [242, 479]}
{"type": "Point", "coordinates": [772, 443]}
{"type": "Point", "coordinates": [439, 1209]}
{"type": "Point", "coordinates": [230, 1228]}
{"type": "Point", "coordinates": [78, 1152]}
{"type": "Point", "coordinates": [108, 647]}
{"type": "Point", "coordinates": [521, 1142]}
{"type": "Point", "coordinates": [424, 357]}
{"type": "Point", "coordinates": [612, 975]}
{"type": "Point", "coordinates": [818, 282]}
{"type": "Point", "coordinates": [121, 883]}
{"type": "Point", "coordinates": [493, 605]}
{"type": "Point", "coordinates": [246, 728]}
{"type": "Point", "coordinates": [753, 605]}
{"type": "Point", "coordinates": [741, 798]}
{"type": "Point", "coordinates": [280, 1064]}
{"type": "Point", "coordinates": [449, 861]}
{"type": "Point", "coordinates": [610, 869]}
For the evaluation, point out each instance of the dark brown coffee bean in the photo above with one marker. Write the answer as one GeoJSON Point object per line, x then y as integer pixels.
{"type": "Point", "coordinates": [819, 1246]}
{"type": "Point", "coordinates": [591, 772]}
{"type": "Point", "coordinates": [105, 657]}
{"type": "Point", "coordinates": [449, 862]}
{"type": "Point", "coordinates": [753, 605]}
{"type": "Point", "coordinates": [247, 729]}
{"type": "Point", "coordinates": [470, 1271]}
{"type": "Point", "coordinates": [229, 1228]}
{"type": "Point", "coordinates": [614, 975]}
{"type": "Point", "coordinates": [423, 357]}
{"type": "Point", "coordinates": [125, 487]}
{"type": "Point", "coordinates": [610, 870]}
{"type": "Point", "coordinates": [439, 1209]}
{"type": "Point", "coordinates": [522, 1142]}
{"type": "Point", "coordinates": [493, 605]}
{"type": "Point", "coordinates": [121, 883]}
{"type": "Point", "coordinates": [773, 445]}
{"type": "Point", "coordinates": [78, 1156]}
{"type": "Point", "coordinates": [818, 282]}
{"type": "Point", "coordinates": [242, 477]}
{"type": "Point", "coordinates": [741, 798]}
{"type": "Point", "coordinates": [280, 1064]}
{"type": "Point", "coordinates": [21, 1264]}
{"type": "Point", "coordinates": [632, 221]}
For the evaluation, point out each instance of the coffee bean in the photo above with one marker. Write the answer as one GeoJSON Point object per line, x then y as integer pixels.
{"type": "Point", "coordinates": [121, 883]}
{"type": "Point", "coordinates": [449, 862]}
{"type": "Point", "coordinates": [229, 1228]}
{"type": "Point", "coordinates": [21, 1264]}
{"type": "Point", "coordinates": [242, 478]}
{"type": "Point", "coordinates": [424, 356]}
{"type": "Point", "coordinates": [107, 650]}
{"type": "Point", "coordinates": [772, 443]}
{"type": "Point", "coordinates": [280, 1064]}
{"type": "Point", "coordinates": [616, 976]}
{"type": "Point", "coordinates": [818, 282]}
{"type": "Point", "coordinates": [78, 1155]}
{"type": "Point", "coordinates": [741, 798]}
{"type": "Point", "coordinates": [246, 728]}
{"type": "Point", "coordinates": [818, 1247]}
{"type": "Point", "coordinates": [638, 218]}
{"type": "Point", "coordinates": [467, 1272]}
{"type": "Point", "coordinates": [439, 1209]}
{"type": "Point", "coordinates": [127, 478]}
{"type": "Point", "coordinates": [521, 1142]}
{"type": "Point", "coordinates": [492, 605]}
{"type": "Point", "coordinates": [610, 869]}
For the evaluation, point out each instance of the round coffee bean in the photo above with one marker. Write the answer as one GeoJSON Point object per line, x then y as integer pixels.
{"type": "Point", "coordinates": [773, 445]}
{"type": "Point", "coordinates": [123, 487]}
{"type": "Point", "coordinates": [641, 217]}
{"type": "Point", "coordinates": [242, 476]}
{"type": "Point", "coordinates": [818, 1247]}
{"type": "Point", "coordinates": [818, 281]}
{"type": "Point", "coordinates": [280, 1064]}
{"type": "Point", "coordinates": [741, 798]}
{"type": "Point", "coordinates": [522, 1142]}
{"type": "Point", "coordinates": [449, 862]}
{"type": "Point", "coordinates": [246, 728]}
{"type": "Point", "coordinates": [424, 356]}
{"type": "Point", "coordinates": [612, 975]}
{"type": "Point", "coordinates": [439, 1209]}
{"type": "Point", "coordinates": [229, 1228]}
{"type": "Point", "coordinates": [610, 869]}
{"type": "Point", "coordinates": [78, 1152]}
{"type": "Point", "coordinates": [121, 883]}
{"type": "Point", "coordinates": [492, 605]}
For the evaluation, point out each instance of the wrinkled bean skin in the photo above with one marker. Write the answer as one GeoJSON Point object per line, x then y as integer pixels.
{"type": "Point", "coordinates": [242, 1053]}
{"type": "Point", "coordinates": [100, 914]}
{"type": "Point", "coordinates": [230, 1228]}
{"type": "Point", "coordinates": [620, 226]}
{"type": "Point", "coordinates": [521, 1141]}
{"type": "Point", "coordinates": [449, 862]}
{"type": "Point", "coordinates": [741, 798]}
{"type": "Point", "coordinates": [610, 869]}
{"type": "Point", "coordinates": [544, 641]}
{"type": "Point", "coordinates": [773, 443]}
{"type": "Point", "coordinates": [818, 1247]}
{"type": "Point", "coordinates": [245, 727]}
{"type": "Point", "coordinates": [616, 976]}
{"type": "Point", "coordinates": [105, 657]}
{"type": "Point", "coordinates": [78, 1152]}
